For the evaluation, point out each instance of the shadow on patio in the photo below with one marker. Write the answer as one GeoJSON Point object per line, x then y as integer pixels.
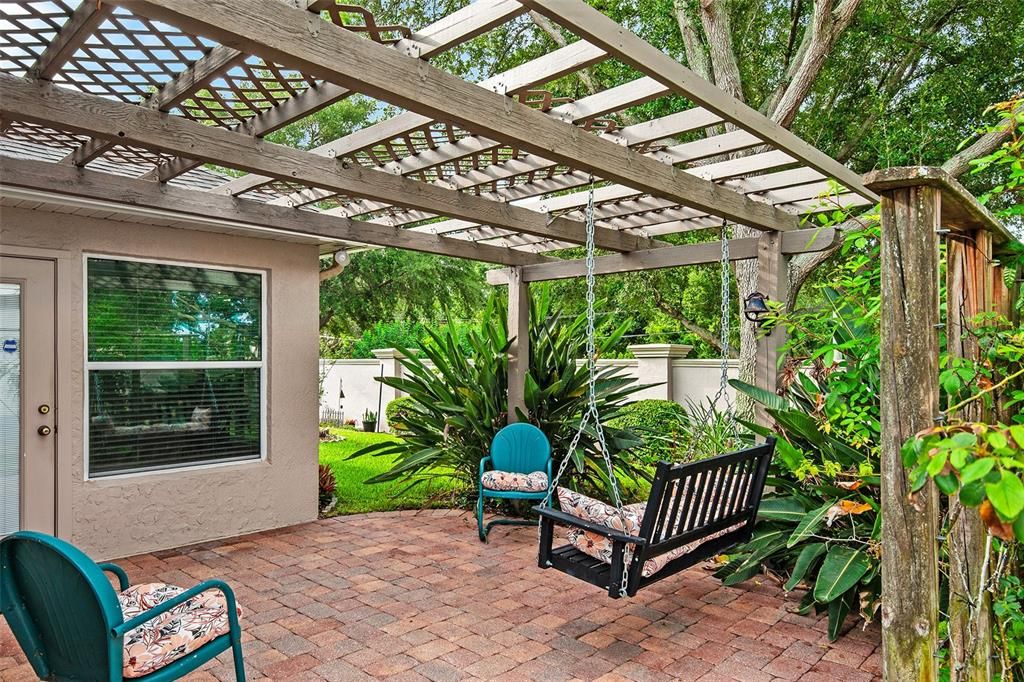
{"type": "Point", "coordinates": [414, 596]}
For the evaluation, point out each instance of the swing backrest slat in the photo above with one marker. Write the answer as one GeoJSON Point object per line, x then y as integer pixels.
{"type": "Point", "coordinates": [690, 501]}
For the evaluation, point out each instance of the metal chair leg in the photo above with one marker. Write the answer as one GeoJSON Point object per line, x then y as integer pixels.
{"type": "Point", "coordinates": [481, 528]}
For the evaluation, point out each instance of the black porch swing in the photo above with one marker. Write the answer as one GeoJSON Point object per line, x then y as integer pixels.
{"type": "Point", "coordinates": [694, 511]}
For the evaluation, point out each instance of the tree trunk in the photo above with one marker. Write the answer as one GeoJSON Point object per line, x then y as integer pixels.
{"type": "Point", "coordinates": [909, 403]}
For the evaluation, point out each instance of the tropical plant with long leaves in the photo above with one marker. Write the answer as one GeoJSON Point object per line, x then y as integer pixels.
{"type": "Point", "coordinates": [458, 400]}
{"type": "Point", "coordinates": [820, 527]}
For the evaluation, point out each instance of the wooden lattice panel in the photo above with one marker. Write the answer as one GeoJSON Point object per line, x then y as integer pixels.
{"type": "Point", "coordinates": [245, 90]}
{"type": "Point", "coordinates": [31, 132]}
{"type": "Point", "coordinates": [26, 29]}
{"type": "Point", "coordinates": [135, 155]}
{"type": "Point", "coordinates": [361, 20]}
{"type": "Point", "coordinates": [130, 57]}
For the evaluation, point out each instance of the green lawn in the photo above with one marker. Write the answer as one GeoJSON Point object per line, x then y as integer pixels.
{"type": "Point", "coordinates": [356, 497]}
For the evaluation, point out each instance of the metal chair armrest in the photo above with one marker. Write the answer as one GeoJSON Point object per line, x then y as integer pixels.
{"type": "Point", "coordinates": [221, 586]}
{"type": "Point", "coordinates": [483, 465]}
{"type": "Point", "coordinates": [122, 577]}
{"type": "Point", "coordinates": [570, 520]}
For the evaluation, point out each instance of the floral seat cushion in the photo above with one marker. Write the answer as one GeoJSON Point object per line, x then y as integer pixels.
{"type": "Point", "coordinates": [509, 481]}
{"type": "Point", "coordinates": [173, 635]}
{"type": "Point", "coordinates": [628, 521]}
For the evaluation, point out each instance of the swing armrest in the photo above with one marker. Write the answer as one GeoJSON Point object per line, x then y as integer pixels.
{"type": "Point", "coordinates": [570, 520]}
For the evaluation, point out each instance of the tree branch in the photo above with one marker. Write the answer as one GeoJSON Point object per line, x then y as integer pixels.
{"type": "Point", "coordinates": [825, 28]}
{"type": "Point", "coordinates": [696, 52]}
{"type": "Point", "coordinates": [960, 163]}
{"type": "Point", "coordinates": [688, 324]}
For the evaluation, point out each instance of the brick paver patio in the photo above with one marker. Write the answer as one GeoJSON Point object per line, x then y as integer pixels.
{"type": "Point", "coordinates": [415, 596]}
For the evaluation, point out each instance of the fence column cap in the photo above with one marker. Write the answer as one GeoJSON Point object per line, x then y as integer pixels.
{"type": "Point", "coordinates": [387, 353]}
{"type": "Point", "coordinates": [659, 350]}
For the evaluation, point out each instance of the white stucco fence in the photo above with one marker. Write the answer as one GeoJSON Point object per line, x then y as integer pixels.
{"type": "Point", "coordinates": [349, 387]}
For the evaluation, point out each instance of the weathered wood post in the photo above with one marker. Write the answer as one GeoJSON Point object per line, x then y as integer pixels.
{"type": "Point", "coordinates": [909, 403]}
{"type": "Point", "coordinates": [969, 291]}
{"type": "Point", "coordinates": [773, 282]}
{"type": "Point", "coordinates": [519, 332]}
{"type": "Point", "coordinates": [915, 202]}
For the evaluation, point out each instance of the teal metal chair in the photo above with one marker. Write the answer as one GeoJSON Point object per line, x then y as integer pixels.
{"type": "Point", "coordinates": [517, 450]}
{"type": "Point", "coordinates": [68, 620]}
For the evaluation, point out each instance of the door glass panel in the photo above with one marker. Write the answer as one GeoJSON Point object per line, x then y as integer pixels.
{"type": "Point", "coordinates": [10, 407]}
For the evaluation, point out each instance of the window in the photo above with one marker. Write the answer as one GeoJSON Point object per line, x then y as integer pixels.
{"type": "Point", "coordinates": [175, 366]}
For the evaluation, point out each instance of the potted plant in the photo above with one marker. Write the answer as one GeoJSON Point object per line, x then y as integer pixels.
{"type": "Point", "coordinates": [369, 421]}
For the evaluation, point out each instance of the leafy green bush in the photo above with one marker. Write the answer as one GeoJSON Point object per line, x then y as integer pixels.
{"type": "Point", "coordinates": [657, 422]}
{"type": "Point", "coordinates": [397, 412]}
{"type": "Point", "coordinates": [459, 400]}
{"type": "Point", "coordinates": [821, 525]}
{"type": "Point", "coordinates": [387, 335]}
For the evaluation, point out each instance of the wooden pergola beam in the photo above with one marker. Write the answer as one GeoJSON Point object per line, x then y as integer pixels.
{"type": "Point", "coordinates": [276, 32]}
{"type": "Point", "coordinates": [86, 18]}
{"type": "Point", "coordinates": [590, 24]}
{"type": "Point", "coordinates": [64, 109]}
{"type": "Point", "coordinates": [798, 241]}
{"type": "Point", "coordinates": [115, 189]}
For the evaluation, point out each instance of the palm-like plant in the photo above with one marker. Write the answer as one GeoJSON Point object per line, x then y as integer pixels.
{"type": "Point", "coordinates": [458, 401]}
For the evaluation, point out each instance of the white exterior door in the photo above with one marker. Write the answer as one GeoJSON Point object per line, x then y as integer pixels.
{"type": "Point", "coordinates": [27, 392]}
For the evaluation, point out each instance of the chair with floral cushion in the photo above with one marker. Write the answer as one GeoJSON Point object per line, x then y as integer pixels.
{"type": "Point", "coordinates": [517, 468]}
{"type": "Point", "coordinates": [73, 625]}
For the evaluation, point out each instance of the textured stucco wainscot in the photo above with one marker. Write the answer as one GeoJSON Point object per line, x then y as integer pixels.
{"type": "Point", "coordinates": [120, 516]}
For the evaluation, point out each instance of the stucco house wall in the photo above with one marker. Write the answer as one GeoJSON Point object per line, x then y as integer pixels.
{"type": "Point", "coordinates": [119, 516]}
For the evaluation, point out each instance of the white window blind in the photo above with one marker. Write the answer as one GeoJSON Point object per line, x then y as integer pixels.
{"type": "Point", "coordinates": [175, 366]}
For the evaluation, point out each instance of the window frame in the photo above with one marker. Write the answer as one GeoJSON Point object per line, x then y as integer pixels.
{"type": "Point", "coordinates": [90, 365]}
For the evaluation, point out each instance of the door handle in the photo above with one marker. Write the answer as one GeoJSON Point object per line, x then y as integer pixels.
{"type": "Point", "coordinates": [44, 430]}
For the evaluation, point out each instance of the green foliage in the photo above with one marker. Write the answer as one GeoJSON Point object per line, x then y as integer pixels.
{"type": "Point", "coordinates": [821, 524]}
{"type": "Point", "coordinates": [657, 422]}
{"type": "Point", "coordinates": [458, 400]}
{"type": "Point", "coordinates": [1007, 162]}
{"type": "Point", "coordinates": [981, 464]}
{"type": "Point", "coordinates": [397, 285]}
{"type": "Point", "coordinates": [387, 335]}
{"type": "Point", "coordinates": [1008, 608]}
{"type": "Point", "coordinates": [397, 412]}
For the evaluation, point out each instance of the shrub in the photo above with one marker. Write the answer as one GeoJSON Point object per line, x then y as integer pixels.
{"type": "Point", "coordinates": [657, 422]}
{"type": "Point", "coordinates": [397, 413]}
{"type": "Point", "coordinates": [387, 335]}
{"type": "Point", "coordinates": [327, 485]}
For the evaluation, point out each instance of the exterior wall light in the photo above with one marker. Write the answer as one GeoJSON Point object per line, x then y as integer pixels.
{"type": "Point", "coordinates": [755, 307]}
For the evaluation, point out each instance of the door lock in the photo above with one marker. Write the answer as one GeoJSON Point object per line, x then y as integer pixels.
{"type": "Point", "coordinates": [44, 409]}
{"type": "Point", "coordinates": [44, 430]}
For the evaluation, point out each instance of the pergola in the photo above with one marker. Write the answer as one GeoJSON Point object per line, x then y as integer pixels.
{"type": "Point", "coordinates": [120, 104]}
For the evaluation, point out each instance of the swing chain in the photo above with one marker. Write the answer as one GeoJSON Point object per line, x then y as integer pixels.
{"type": "Point", "coordinates": [724, 310]}
{"type": "Point", "coordinates": [591, 412]}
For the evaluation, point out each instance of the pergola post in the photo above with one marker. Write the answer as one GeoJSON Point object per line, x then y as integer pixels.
{"type": "Point", "coordinates": [909, 403]}
{"type": "Point", "coordinates": [519, 350]}
{"type": "Point", "coordinates": [971, 285]}
{"type": "Point", "coordinates": [773, 282]}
